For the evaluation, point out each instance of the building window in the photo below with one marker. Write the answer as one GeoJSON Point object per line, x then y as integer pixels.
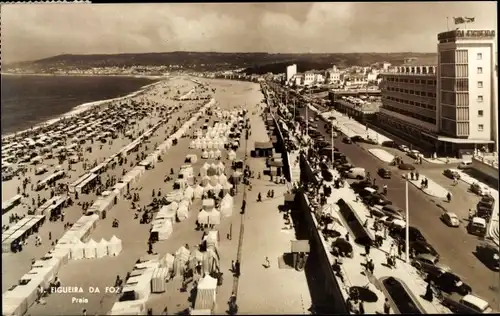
{"type": "Point", "coordinates": [479, 98]}
{"type": "Point", "coordinates": [479, 56]}
{"type": "Point", "coordinates": [480, 127]}
{"type": "Point", "coordinates": [480, 113]}
{"type": "Point", "coordinates": [479, 84]}
{"type": "Point", "coordinates": [480, 70]}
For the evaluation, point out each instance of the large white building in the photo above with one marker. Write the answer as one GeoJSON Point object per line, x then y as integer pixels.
{"type": "Point", "coordinates": [452, 107]}
{"type": "Point", "coordinates": [290, 72]}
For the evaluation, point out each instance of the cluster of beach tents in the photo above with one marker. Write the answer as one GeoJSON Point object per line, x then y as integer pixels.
{"type": "Point", "coordinates": [92, 249]}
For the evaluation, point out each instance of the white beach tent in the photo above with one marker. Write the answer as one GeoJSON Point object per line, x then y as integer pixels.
{"type": "Point", "coordinates": [222, 179]}
{"type": "Point", "coordinates": [102, 248]}
{"type": "Point", "coordinates": [78, 250]}
{"type": "Point", "coordinates": [203, 217]}
{"type": "Point", "coordinates": [182, 213]}
{"type": "Point", "coordinates": [90, 249]}
{"type": "Point", "coordinates": [185, 203]}
{"type": "Point", "coordinates": [226, 206]}
{"type": "Point", "coordinates": [114, 246]}
{"type": "Point", "coordinates": [192, 145]}
{"type": "Point", "coordinates": [214, 217]}
{"type": "Point", "coordinates": [211, 154]}
{"type": "Point", "coordinates": [204, 169]}
{"type": "Point", "coordinates": [214, 180]}
{"type": "Point", "coordinates": [205, 180]}
{"type": "Point", "coordinates": [218, 154]}
{"type": "Point", "coordinates": [164, 229]}
{"type": "Point", "coordinates": [217, 188]}
{"type": "Point", "coordinates": [231, 155]}
{"type": "Point", "coordinates": [198, 192]}
{"type": "Point", "coordinates": [220, 168]}
{"type": "Point", "coordinates": [208, 188]}
{"type": "Point", "coordinates": [208, 204]}
{"type": "Point", "coordinates": [226, 187]}
{"type": "Point", "coordinates": [204, 155]}
{"type": "Point", "coordinates": [189, 193]}
{"type": "Point", "coordinates": [212, 170]}
{"type": "Point", "coordinates": [206, 293]}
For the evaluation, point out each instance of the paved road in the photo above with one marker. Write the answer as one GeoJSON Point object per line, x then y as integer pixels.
{"type": "Point", "coordinates": [455, 246]}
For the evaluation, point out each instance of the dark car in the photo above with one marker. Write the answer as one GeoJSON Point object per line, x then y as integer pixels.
{"type": "Point", "coordinates": [376, 199]}
{"type": "Point", "coordinates": [421, 247]}
{"type": "Point", "coordinates": [384, 173]}
{"type": "Point", "coordinates": [347, 140]}
{"type": "Point", "coordinates": [415, 234]}
{"type": "Point", "coordinates": [449, 282]}
{"type": "Point", "coordinates": [357, 138]}
{"type": "Point", "coordinates": [365, 183]}
{"type": "Point", "coordinates": [390, 143]}
{"type": "Point", "coordinates": [451, 174]}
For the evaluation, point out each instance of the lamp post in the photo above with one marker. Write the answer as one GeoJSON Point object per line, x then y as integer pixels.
{"type": "Point", "coordinates": [407, 228]}
{"type": "Point", "coordinates": [333, 146]}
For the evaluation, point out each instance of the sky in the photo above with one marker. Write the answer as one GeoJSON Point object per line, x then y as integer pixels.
{"type": "Point", "coordinates": [35, 31]}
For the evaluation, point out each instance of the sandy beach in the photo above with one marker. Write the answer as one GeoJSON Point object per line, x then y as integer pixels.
{"type": "Point", "coordinates": [101, 273]}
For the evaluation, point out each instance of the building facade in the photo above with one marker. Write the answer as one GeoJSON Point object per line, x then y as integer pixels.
{"type": "Point", "coordinates": [450, 109]}
{"type": "Point", "coordinates": [290, 72]}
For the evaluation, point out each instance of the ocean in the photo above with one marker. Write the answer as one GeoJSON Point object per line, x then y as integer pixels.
{"type": "Point", "coordinates": [31, 100]}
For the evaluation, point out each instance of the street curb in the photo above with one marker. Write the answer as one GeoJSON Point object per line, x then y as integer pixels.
{"type": "Point", "coordinates": [426, 192]}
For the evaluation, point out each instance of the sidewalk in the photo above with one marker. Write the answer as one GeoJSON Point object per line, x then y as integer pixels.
{"type": "Point", "coordinates": [433, 188]}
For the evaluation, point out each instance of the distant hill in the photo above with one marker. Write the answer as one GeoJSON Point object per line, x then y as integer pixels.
{"type": "Point", "coordinates": [257, 63]}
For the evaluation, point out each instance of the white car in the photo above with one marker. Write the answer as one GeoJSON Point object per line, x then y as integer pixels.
{"type": "Point", "coordinates": [414, 154]}
{"type": "Point", "coordinates": [404, 148]}
{"type": "Point", "coordinates": [450, 219]}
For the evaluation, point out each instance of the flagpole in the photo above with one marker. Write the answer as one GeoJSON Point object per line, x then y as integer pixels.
{"type": "Point", "coordinates": [448, 23]}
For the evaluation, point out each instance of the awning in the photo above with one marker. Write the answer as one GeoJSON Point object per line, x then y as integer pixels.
{"type": "Point", "coordinates": [263, 145]}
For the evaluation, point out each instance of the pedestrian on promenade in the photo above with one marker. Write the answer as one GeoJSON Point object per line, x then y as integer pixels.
{"type": "Point", "coordinates": [361, 308]}
{"type": "Point", "coordinates": [411, 175]}
{"type": "Point", "coordinates": [387, 306]}
{"type": "Point", "coordinates": [417, 175]}
{"type": "Point", "coordinates": [347, 236]}
{"type": "Point", "coordinates": [233, 267]}
{"type": "Point", "coordinates": [367, 249]}
{"type": "Point", "coordinates": [448, 197]}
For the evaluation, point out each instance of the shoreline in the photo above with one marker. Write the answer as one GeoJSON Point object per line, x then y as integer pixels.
{"type": "Point", "coordinates": [152, 77]}
{"type": "Point", "coordinates": [80, 108]}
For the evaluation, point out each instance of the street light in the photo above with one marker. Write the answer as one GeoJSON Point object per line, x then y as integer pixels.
{"type": "Point", "coordinates": [407, 224]}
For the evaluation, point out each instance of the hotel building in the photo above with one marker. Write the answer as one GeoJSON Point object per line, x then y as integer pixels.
{"type": "Point", "coordinates": [451, 108]}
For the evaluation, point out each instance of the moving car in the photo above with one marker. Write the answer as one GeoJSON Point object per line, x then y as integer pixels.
{"type": "Point", "coordinates": [422, 247]}
{"type": "Point", "coordinates": [449, 282]}
{"type": "Point", "coordinates": [390, 143]}
{"type": "Point", "coordinates": [414, 154]}
{"type": "Point", "coordinates": [415, 234]}
{"type": "Point", "coordinates": [450, 219]}
{"type": "Point", "coordinates": [356, 173]}
{"type": "Point", "coordinates": [489, 254]}
{"type": "Point", "coordinates": [451, 174]}
{"type": "Point", "coordinates": [357, 138]}
{"type": "Point", "coordinates": [404, 148]}
{"type": "Point", "coordinates": [347, 140]}
{"type": "Point", "coordinates": [384, 173]}
{"type": "Point", "coordinates": [465, 164]}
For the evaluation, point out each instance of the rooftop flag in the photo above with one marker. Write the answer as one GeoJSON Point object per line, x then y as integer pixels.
{"type": "Point", "coordinates": [469, 20]}
{"type": "Point", "coordinates": [459, 20]}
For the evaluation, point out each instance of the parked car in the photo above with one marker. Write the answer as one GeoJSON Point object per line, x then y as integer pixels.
{"type": "Point", "coordinates": [414, 154]}
{"type": "Point", "coordinates": [477, 226]}
{"type": "Point", "coordinates": [450, 282]}
{"type": "Point", "coordinates": [393, 222]}
{"type": "Point", "coordinates": [451, 174]}
{"type": "Point", "coordinates": [384, 173]}
{"type": "Point", "coordinates": [466, 164]}
{"type": "Point", "coordinates": [392, 210]}
{"type": "Point", "coordinates": [371, 141]}
{"type": "Point", "coordinates": [450, 219]}
{"type": "Point", "coordinates": [404, 148]}
{"type": "Point", "coordinates": [347, 140]}
{"type": "Point", "coordinates": [422, 247]}
{"type": "Point", "coordinates": [479, 189]}
{"type": "Point", "coordinates": [427, 263]}
{"type": "Point", "coordinates": [489, 254]}
{"type": "Point", "coordinates": [390, 143]}
{"type": "Point", "coordinates": [468, 304]}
